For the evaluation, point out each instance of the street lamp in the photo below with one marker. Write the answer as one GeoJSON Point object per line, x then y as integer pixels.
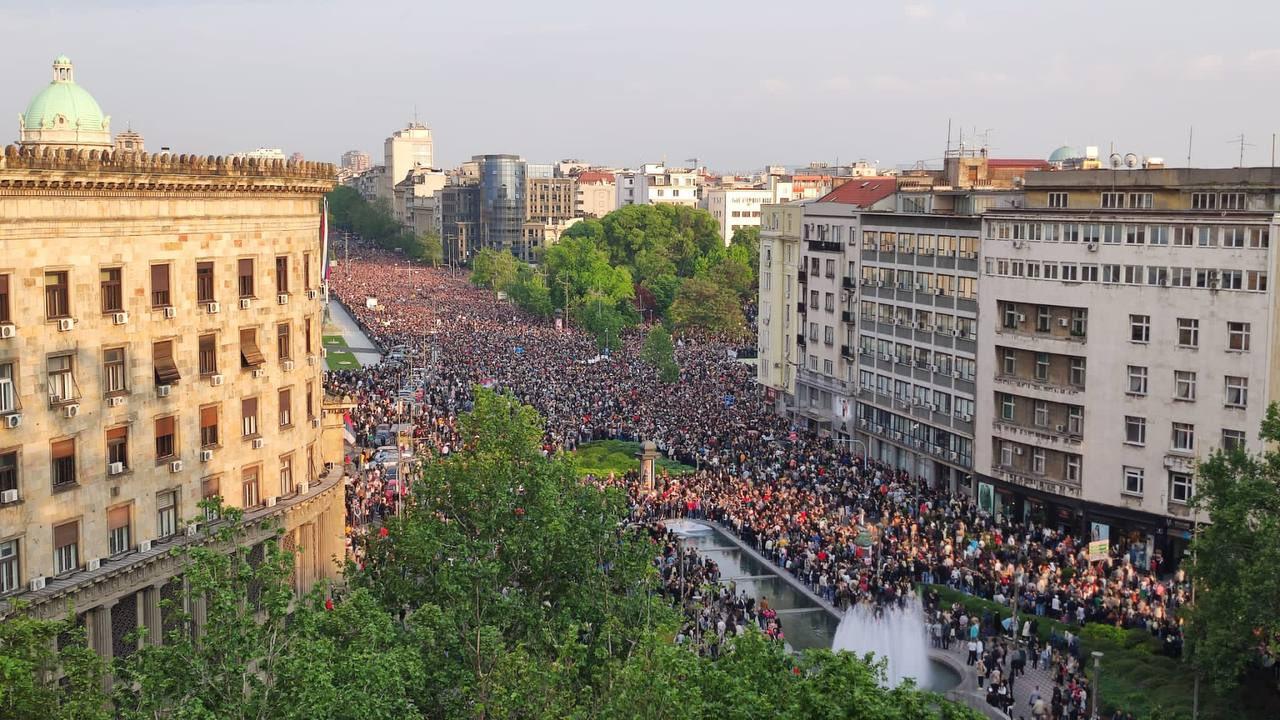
{"type": "Point", "coordinates": [1097, 681]}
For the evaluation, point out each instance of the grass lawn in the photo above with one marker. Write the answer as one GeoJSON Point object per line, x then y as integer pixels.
{"type": "Point", "coordinates": [617, 456]}
{"type": "Point", "coordinates": [337, 356]}
{"type": "Point", "coordinates": [1136, 677]}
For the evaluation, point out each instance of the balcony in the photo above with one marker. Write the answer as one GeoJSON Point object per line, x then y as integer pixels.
{"type": "Point", "coordinates": [848, 283]}
{"type": "Point", "coordinates": [824, 246]}
{"type": "Point", "coordinates": [1023, 383]}
{"type": "Point", "coordinates": [801, 307]}
{"type": "Point", "coordinates": [846, 316]}
{"type": "Point", "coordinates": [848, 352]}
{"type": "Point", "coordinates": [1054, 437]}
{"type": "Point", "coordinates": [800, 340]}
{"type": "Point", "coordinates": [803, 276]}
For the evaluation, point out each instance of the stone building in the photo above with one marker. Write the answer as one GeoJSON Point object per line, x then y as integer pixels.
{"type": "Point", "coordinates": [160, 343]}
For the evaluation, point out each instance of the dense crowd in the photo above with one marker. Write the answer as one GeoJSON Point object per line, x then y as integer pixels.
{"type": "Point", "coordinates": [852, 529]}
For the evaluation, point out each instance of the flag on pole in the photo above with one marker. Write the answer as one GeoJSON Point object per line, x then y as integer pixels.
{"type": "Point", "coordinates": [324, 240]}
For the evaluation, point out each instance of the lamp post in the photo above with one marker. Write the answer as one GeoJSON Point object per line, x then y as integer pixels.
{"type": "Point", "coordinates": [1097, 681]}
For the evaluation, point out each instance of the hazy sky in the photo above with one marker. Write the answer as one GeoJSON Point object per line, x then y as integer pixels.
{"type": "Point", "coordinates": [737, 84]}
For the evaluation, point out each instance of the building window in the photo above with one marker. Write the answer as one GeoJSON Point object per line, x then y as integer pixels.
{"type": "Point", "coordinates": [1233, 440]}
{"type": "Point", "coordinates": [1135, 430]}
{"type": "Point", "coordinates": [1073, 469]}
{"type": "Point", "coordinates": [66, 547]}
{"type": "Point", "coordinates": [166, 368]}
{"type": "Point", "coordinates": [1075, 420]}
{"type": "Point", "coordinates": [286, 474]}
{"type": "Point", "coordinates": [204, 283]}
{"type": "Point", "coordinates": [284, 346]}
{"type": "Point", "coordinates": [249, 487]}
{"type": "Point", "coordinates": [1133, 477]}
{"type": "Point", "coordinates": [306, 269]}
{"type": "Point", "coordinates": [1204, 201]}
{"type": "Point", "coordinates": [1188, 332]}
{"type": "Point", "coordinates": [286, 407]}
{"type": "Point", "coordinates": [1079, 321]}
{"type": "Point", "coordinates": [1140, 328]}
{"type": "Point", "coordinates": [8, 390]}
{"type": "Point", "coordinates": [1137, 380]}
{"type": "Point", "coordinates": [249, 417]}
{"type": "Point", "coordinates": [5, 316]}
{"type": "Point", "coordinates": [63, 454]}
{"type": "Point", "coordinates": [1011, 315]}
{"type": "Point", "coordinates": [1042, 366]}
{"type": "Point", "coordinates": [1006, 453]}
{"type": "Point", "coordinates": [166, 438]}
{"type": "Point", "coordinates": [244, 277]}
{"type": "Point", "coordinates": [1009, 360]}
{"type": "Point", "coordinates": [310, 403]}
{"type": "Point", "coordinates": [1041, 413]}
{"type": "Point", "coordinates": [1238, 336]}
{"type": "Point", "coordinates": [828, 335]}
{"type": "Point", "coordinates": [209, 426]}
{"type": "Point", "coordinates": [166, 513]}
{"type": "Point", "coordinates": [160, 286]}
{"type": "Point", "coordinates": [282, 274]}
{"type": "Point", "coordinates": [1037, 461]}
{"type": "Point", "coordinates": [1057, 199]}
{"type": "Point", "coordinates": [1042, 318]}
{"type": "Point", "coordinates": [1141, 200]}
{"type": "Point", "coordinates": [8, 470]}
{"type": "Point", "coordinates": [114, 372]}
{"type": "Point", "coordinates": [1184, 385]}
{"type": "Point", "coordinates": [1231, 201]}
{"type": "Point", "coordinates": [250, 355]}
{"type": "Point", "coordinates": [1077, 372]}
{"type": "Point", "coordinates": [10, 575]}
{"type": "Point", "coordinates": [1184, 437]}
{"type": "Point", "coordinates": [1181, 487]}
{"type": "Point", "coordinates": [62, 381]}
{"type": "Point", "coordinates": [208, 354]}
{"type": "Point", "coordinates": [118, 530]}
{"type": "Point", "coordinates": [1112, 200]}
{"type": "Point", "coordinates": [57, 299]}
{"type": "Point", "coordinates": [1237, 391]}
{"type": "Point", "coordinates": [211, 494]}
{"type": "Point", "coordinates": [1007, 406]}
{"type": "Point", "coordinates": [112, 290]}
{"type": "Point", "coordinates": [118, 446]}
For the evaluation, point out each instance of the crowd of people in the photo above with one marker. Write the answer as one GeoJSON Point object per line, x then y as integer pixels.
{"type": "Point", "coordinates": [851, 528]}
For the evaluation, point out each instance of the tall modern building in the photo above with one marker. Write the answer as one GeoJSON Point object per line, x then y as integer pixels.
{"type": "Point", "coordinates": [406, 149]}
{"type": "Point", "coordinates": [502, 202]}
{"type": "Point", "coordinates": [1128, 319]}
{"type": "Point", "coordinates": [356, 161]}
{"type": "Point", "coordinates": [159, 345]}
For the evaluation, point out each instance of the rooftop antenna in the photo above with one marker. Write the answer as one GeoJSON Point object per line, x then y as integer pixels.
{"type": "Point", "coordinates": [948, 137]}
{"type": "Point", "coordinates": [1190, 134]}
{"type": "Point", "coordinates": [1240, 140]}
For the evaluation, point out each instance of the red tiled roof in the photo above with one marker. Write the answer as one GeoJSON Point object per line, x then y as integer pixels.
{"type": "Point", "coordinates": [1017, 162]}
{"type": "Point", "coordinates": [863, 191]}
{"type": "Point", "coordinates": [595, 176]}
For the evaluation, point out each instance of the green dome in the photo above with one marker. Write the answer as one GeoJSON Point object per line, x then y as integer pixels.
{"type": "Point", "coordinates": [64, 105]}
{"type": "Point", "coordinates": [1065, 153]}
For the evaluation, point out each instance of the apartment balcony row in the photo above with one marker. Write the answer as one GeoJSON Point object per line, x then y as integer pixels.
{"type": "Point", "coordinates": [1036, 389]}
{"type": "Point", "coordinates": [1042, 483]}
{"type": "Point", "coordinates": [919, 371]}
{"type": "Point", "coordinates": [1057, 437]}
{"type": "Point", "coordinates": [919, 444]}
{"type": "Point", "coordinates": [824, 382]}
{"type": "Point", "coordinates": [824, 246]}
{"type": "Point", "coordinates": [963, 261]}
{"type": "Point", "coordinates": [919, 410]}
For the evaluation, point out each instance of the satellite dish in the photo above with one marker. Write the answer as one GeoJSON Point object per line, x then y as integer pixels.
{"type": "Point", "coordinates": [1116, 160]}
{"type": "Point", "coordinates": [1131, 160]}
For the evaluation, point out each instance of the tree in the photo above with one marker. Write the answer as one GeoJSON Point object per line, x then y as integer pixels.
{"type": "Point", "coordinates": [578, 267]}
{"type": "Point", "coordinates": [32, 653]}
{"type": "Point", "coordinates": [1236, 566]}
{"type": "Point", "coordinates": [660, 353]}
{"type": "Point", "coordinates": [493, 269]}
{"type": "Point", "coordinates": [663, 288]}
{"type": "Point", "coordinates": [530, 292]}
{"type": "Point", "coordinates": [603, 318]}
{"type": "Point", "coordinates": [733, 273]}
{"type": "Point", "coordinates": [703, 304]}
{"type": "Point", "coordinates": [432, 247]}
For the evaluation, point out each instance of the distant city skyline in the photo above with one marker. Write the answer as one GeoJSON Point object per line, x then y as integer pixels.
{"type": "Point", "coordinates": [739, 86]}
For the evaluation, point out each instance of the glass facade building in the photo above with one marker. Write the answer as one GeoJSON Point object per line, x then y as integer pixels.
{"type": "Point", "coordinates": [502, 200]}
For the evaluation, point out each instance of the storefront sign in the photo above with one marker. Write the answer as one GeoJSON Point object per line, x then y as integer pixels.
{"type": "Point", "coordinates": [1099, 541]}
{"type": "Point", "coordinates": [986, 497]}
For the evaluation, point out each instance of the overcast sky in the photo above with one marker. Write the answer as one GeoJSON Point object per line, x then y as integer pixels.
{"type": "Point", "coordinates": [735, 83]}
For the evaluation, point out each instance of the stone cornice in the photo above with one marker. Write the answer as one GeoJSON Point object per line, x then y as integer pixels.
{"type": "Point", "coordinates": [94, 173]}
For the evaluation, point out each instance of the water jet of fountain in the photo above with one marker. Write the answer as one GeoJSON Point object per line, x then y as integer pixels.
{"type": "Point", "coordinates": [895, 633]}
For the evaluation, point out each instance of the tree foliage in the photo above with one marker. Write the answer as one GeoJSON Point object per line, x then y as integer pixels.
{"type": "Point", "coordinates": [32, 652]}
{"type": "Point", "coordinates": [493, 269]}
{"type": "Point", "coordinates": [375, 222]}
{"type": "Point", "coordinates": [660, 353]}
{"type": "Point", "coordinates": [1234, 621]}
{"type": "Point", "coordinates": [703, 304]}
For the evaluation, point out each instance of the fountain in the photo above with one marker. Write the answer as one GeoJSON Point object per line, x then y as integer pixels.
{"type": "Point", "coordinates": [895, 634]}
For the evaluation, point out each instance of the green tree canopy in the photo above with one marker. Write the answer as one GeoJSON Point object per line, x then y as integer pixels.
{"type": "Point", "coordinates": [1236, 566]}
{"type": "Point", "coordinates": [703, 304]}
{"type": "Point", "coordinates": [493, 269]}
{"type": "Point", "coordinates": [578, 268]}
{"type": "Point", "coordinates": [660, 353]}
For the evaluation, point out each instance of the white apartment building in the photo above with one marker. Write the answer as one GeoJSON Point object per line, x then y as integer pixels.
{"type": "Point", "coordinates": [406, 149]}
{"type": "Point", "coordinates": [655, 184]}
{"type": "Point", "coordinates": [1127, 332]}
{"type": "Point", "coordinates": [737, 208]}
{"type": "Point", "coordinates": [777, 316]}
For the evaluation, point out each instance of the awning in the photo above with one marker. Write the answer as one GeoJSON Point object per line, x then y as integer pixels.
{"type": "Point", "coordinates": [250, 355]}
{"type": "Point", "coordinates": [166, 368]}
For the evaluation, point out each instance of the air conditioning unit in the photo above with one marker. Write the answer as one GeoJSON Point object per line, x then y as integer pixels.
{"type": "Point", "coordinates": [862, 422]}
{"type": "Point", "coordinates": [312, 359]}
{"type": "Point", "coordinates": [928, 328]}
{"type": "Point", "coordinates": [9, 496]}
{"type": "Point", "coordinates": [175, 466]}
{"type": "Point", "coordinates": [1022, 318]}
{"type": "Point", "coordinates": [271, 501]}
{"type": "Point", "coordinates": [93, 565]}
{"type": "Point", "coordinates": [193, 530]}
{"type": "Point", "coordinates": [115, 468]}
{"type": "Point", "coordinates": [246, 303]}
{"type": "Point", "coordinates": [120, 318]}
{"type": "Point", "coordinates": [259, 373]}
{"type": "Point", "coordinates": [212, 308]}
{"type": "Point", "coordinates": [312, 294]}
{"type": "Point", "coordinates": [170, 312]}
{"type": "Point", "coordinates": [37, 584]}
{"type": "Point", "coordinates": [258, 443]}
{"type": "Point", "coordinates": [953, 455]}
{"type": "Point", "coordinates": [966, 418]}
{"type": "Point", "coordinates": [7, 331]}
{"type": "Point", "coordinates": [937, 291]}
{"type": "Point", "coordinates": [115, 401]}
{"type": "Point", "coordinates": [1063, 322]}
{"type": "Point", "coordinates": [897, 435]}
{"type": "Point", "coordinates": [933, 368]}
{"type": "Point", "coordinates": [144, 546]}
{"type": "Point", "coordinates": [71, 410]}
{"type": "Point", "coordinates": [955, 374]}
{"type": "Point", "coordinates": [1092, 247]}
{"type": "Point", "coordinates": [304, 487]}
{"type": "Point", "coordinates": [1017, 450]}
{"type": "Point", "coordinates": [282, 299]}
{"type": "Point", "coordinates": [216, 380]}
{"type": "Point", "coordinates": [13, 420]}
{"type": "Point", "coordinates": [886, 357]}
{"type": "Point", "coordinates": [163, 390]}
{"type": "Point", "coordinates": [1061, 428]}
{"type": "Point", "coordinates": [206, 455]}
{"type": "Point", "coordinates": [66, 324]}
{"type": "Point", "coordinates": [287, 365]}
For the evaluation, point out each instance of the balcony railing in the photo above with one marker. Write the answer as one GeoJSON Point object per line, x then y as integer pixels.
{"type": "Point", "coordinates": [803, 276]}
{"type": "Point", "coordinates": [824, 246]}
{"type": "Point", "coordinates": [846, 316]}
{"type": "Point", "coordinates": [848, 283]}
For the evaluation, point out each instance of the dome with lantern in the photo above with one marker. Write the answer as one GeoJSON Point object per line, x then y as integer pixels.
{"type": "Point", "coordinates": [65, 115]}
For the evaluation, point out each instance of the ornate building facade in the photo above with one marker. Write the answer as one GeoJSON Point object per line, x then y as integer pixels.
{"type": "Point", "coordinates": [160, 344]}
